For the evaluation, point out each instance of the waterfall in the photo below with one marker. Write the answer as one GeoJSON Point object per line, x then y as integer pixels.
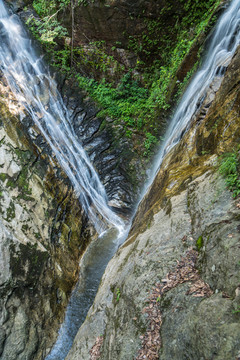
{"type": "Point", "coordinates": [34, 88]}
{"type": "Point", "coordinates": [224, 42]}
{"type": "Point", "coordinates": [37, 92]}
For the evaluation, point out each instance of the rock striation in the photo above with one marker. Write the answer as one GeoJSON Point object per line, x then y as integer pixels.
{"type": "Point", "coordinates": [111, 154]}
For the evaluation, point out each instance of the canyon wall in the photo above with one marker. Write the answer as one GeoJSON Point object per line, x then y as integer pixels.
{"type": "Point", "coordinates": [172, 290]}
{"type": "Point", "coordinates": [43, 234]}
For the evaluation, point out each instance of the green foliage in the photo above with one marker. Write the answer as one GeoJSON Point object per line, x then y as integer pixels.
{"type": "Point", "coordinates": [237, 311]}
{"type": "Point", "coordinates": [46, 7]}
{"type": "Point", "coordinates": [125, 103]}
{"type": "Point", "coordinates": [229, 168]}
{"type": "Point", "coordinates": [160, 50]}
{"type": "Point", "coordinates": [95, 60]}
{"type": "Point", "coordinates": [170, 45]}
{"type": "Point", "coordinates": [62, 59]}
{"type": "Point", "coordinates": [149, 142]}
{"type": "Point", "coordinates": [199, 243]}
{"type": "Point", "coordinates": [118, 295]}
{"type": "Point", "coordinates": [47, 28]}
{"type": "Point", "coordinates": [3, 177]}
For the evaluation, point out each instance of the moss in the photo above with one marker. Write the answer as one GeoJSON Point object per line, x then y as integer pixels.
{"type": "Point", "coordinates": [3, 177]}
{"type": "Point", "coordinates": [199, 243]}
{"type": "Point", "coordinates": [27, 263]}
{"type": "Point", "coordinates": [23, 181]}
{"type": "Point", "coordinates": [10, 212]}
{"type": "Point", "coordinates": [23, 155]}
{"type": "Point", "coordinates": [25, 228]}
{"type": "Point", "coordinates": [37, 235]}
{"type": "Point", "coordinates": [11, 183]}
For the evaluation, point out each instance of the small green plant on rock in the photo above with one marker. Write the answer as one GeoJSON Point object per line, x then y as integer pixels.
{"type": "Point", "coordinates": [229, 168]}
{"type": "Point", "coordinates": [118, 295]}
{"type": "Point", "coordinates": [237, 310]}
{"type": "Point", "coordinates": [199, 243]}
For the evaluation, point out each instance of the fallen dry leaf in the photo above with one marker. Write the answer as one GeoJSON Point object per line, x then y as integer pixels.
{"type": "Point", "coordinates": [95, 351]}
{"type": "Point", "coordinates": [185, 271]}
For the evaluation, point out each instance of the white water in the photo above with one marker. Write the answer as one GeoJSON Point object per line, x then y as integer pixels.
{"type": "Point", "coordinates": [225, 40]}
{"type": "Point", "coordinates": [33, 87]}
{"type": "Point", "coordinates": [37, 92]}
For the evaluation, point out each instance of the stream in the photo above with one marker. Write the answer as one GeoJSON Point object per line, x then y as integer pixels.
{"type": "Point", "coordinates": [92, 267]}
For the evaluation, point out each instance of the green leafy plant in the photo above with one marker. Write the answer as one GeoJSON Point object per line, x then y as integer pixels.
{"type": "Point", "coordinates": [125, 102]}
{"type": "Point", "coordinates": [160, 50]}
{"type": "Point", "coordinates": [199, 243]}
{"type": "Point", "coordinates": [229, 166]}
{"type": "Point", "coordinates": [47, 29]}
{"type": "Point", "coordinates": [118, 295]}
{"type": "Point", "coordinates": [237, 310]}
{"type": "Point", "coordinates": [150, 140]}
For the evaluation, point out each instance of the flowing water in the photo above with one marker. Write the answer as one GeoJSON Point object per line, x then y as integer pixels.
{"type": "Point", "coordinates": [37, 92]}
{"type": "Point", "coordinates": [34, 88]}
{"type": "Point", "coordinates": [225, 40]}
{"type": "Point", "coordinates": [92, 268]}
{"type": "Point", "coordinates": [223, 45]}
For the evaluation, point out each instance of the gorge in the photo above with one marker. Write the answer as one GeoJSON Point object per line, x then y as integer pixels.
{"type": "Point", "coordinates": [171, 291]}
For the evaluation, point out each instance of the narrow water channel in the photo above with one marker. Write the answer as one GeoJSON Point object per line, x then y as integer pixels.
{"type": "Point", "coordinates": [92, 267]}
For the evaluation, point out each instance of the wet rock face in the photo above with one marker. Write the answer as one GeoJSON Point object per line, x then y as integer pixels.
{"type": "Point", "coordinates": [42, 234]}
{"type": "Point", "coordinates": [116, 21]}
{"type": "Point", "coordinates": [122, 17]}
{"type": "Point", "coordinates": [112, 155]}
{"type": "Point", "coordinates": [186, 208]}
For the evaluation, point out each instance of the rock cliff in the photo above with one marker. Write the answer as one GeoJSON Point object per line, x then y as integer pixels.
{"type": "Point", "coordinates": [43, 233]}
{"type": "Point", "coordinates": [172, 290]}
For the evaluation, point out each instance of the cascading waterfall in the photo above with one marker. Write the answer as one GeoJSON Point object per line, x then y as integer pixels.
{"type": "Point", "coordinates": [225, 40]}
{"type": "Point", "coordinates": [37, 92]}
